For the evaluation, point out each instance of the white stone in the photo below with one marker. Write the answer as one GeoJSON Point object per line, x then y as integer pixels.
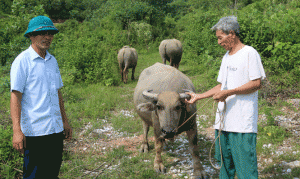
{"type": "Point", "coordinates": [269, 145]}
{"type": "Point", "coordinates": [176, 160]}
{"type": "Point", "coordinates": [294, 164]}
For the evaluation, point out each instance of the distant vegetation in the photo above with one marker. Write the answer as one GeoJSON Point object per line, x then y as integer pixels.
{"type": "Point", "coordinates": [270, 26]}
{"type": "Point", "coordinates": [86, 47]}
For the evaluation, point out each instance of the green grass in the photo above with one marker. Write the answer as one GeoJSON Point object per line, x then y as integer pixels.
{"type": "Point", "coordinates": [128, 166]}
{"type": "Point", "coordinates": [92, 103]}
{"type": "Point", "coordinates": [279, 172]}
{"type": "Point", "coordinates": [83, 103]}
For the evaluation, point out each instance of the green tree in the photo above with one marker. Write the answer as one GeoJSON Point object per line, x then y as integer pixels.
{"type": "Point", "coordinates": [143, 32]}
{"type": "Point", "coordinates": [5, 6]}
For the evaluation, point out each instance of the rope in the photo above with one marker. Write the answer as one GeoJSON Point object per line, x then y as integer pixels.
{"type": "Point", "coordinates": [219, 136]}
{"type": "Point", "coordinates": [191, 115]}
{"type": "Point", "coordinates": [220, 130]}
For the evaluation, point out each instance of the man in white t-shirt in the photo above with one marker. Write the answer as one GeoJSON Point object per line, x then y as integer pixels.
{"type": "Point", "coordinates": [240, 78]}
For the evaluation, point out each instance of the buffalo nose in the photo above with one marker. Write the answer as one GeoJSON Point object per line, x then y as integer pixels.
{"type": "Point", "coordinates": [169, 134]}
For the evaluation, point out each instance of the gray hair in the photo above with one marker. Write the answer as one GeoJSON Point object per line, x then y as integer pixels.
{"type": "Point", "coordinates": [227, 24]}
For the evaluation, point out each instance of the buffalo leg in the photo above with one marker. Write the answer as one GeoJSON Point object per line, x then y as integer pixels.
{"type": "Point", "coordinates": [194, 150]}
{"type": "Point", "coordinates": [158, 165]}
{"type": "Point", "coordinates": [145, 145]}
{"type": "Point", "coordinates": [121, 70]}
{"type": "Point", "coordinates": [172, 62]}
{"type": "Point", "coordinates": [121, 75]}
{"type": "Point", "coordinates": [164, 60]}
{"type": "Point", "coordinates": [125, 73]}
{"type": "Point", "coordinates": [132, 76]}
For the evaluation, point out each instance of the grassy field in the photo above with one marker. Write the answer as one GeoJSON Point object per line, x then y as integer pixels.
{"type": "Point", "coordinates": [99, 102]}
{"type": "Point", "coordinates": [94, 106]}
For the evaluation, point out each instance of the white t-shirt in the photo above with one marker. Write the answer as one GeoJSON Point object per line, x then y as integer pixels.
{"type": "Point", "coordinates": [241, 110]}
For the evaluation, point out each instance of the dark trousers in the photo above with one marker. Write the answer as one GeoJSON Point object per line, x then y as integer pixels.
{"type": "Point", "coordinates": [43, 156]}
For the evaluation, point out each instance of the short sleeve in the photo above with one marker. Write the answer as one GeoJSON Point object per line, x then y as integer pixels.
{"type": "Point", "coordinates": [256, 69]}
{"type": "Point", "coordinates": [18, 75]}
{"type": "Point", "coordinates": [58, 77]}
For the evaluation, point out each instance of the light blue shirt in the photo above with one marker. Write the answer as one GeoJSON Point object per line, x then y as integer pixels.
{"type": "Point", "coordinates": [39, 80]}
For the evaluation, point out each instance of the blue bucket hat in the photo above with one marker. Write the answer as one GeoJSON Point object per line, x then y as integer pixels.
{"type": "Point", "coordinates": [40, 23]}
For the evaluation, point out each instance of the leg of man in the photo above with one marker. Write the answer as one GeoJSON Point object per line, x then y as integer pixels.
{"type": "Point", "coordinates": [244, 154]}
{"type": "Point", "coordinates": [44, 156]}
{"type": "Point", "coordinates": [30, 160]}
{"type": "Point", "coordinates": [228, 168]}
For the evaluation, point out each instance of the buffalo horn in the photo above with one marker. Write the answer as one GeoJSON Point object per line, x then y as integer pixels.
{"type": "Point", "coordinates": [184, 95]}
{"type": "Point", "coordinates": [148, 95]}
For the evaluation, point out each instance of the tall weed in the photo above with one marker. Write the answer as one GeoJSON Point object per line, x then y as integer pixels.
{"type": "Point", "coordinates": [10, 158]}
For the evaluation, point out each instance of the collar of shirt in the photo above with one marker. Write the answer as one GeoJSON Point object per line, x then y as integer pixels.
{"type": "Point", "coordinates": [34, 55]}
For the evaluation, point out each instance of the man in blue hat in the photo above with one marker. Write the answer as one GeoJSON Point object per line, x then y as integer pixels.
{"type": "Point", "coordinates": [37, 109]}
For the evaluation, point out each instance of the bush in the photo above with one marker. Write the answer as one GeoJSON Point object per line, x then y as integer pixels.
{"type": "Point", "coordinates": [10, 158]}
{"type": "Point", "coordinates": [272, 134]}
{"type": "Point", "coordinates": [270, 27]}
{"type": "Point", "coordinates": [283, 65]}
{"type": "Point", "coordinates": [4, 84]}
{"type": "Point", "coordinates": [5, 6]}
{"type": "Point", "coordinates": [142, 32]}
{"type": "Point", "coordinates": [89, 53]}
{"type": "Point", "coordinates": [65, 9]}
{"type": "Point", "coordinates": [12, 39]}
{"type": "Point", "coordinates": [200, 43]}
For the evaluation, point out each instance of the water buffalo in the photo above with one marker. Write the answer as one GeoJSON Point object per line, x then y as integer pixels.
{"type": "Point", "coordinates": [159, 101]}
{"type": "Point", "coordinates": [127, 58]}
{"type": "Point", "coordinates": [171, 50]}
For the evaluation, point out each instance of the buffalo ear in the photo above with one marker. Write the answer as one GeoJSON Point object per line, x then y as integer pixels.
{"type": "Point", "coordinates": [144, 107]}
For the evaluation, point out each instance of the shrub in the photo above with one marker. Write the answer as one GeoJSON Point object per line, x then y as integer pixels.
{"type": "Point", "coordinates": [5, 6]}
{"type": "Point", "coordinates": [143, 32]}
{"type": "Point", "coordinates": [10, 158]}
{"type": "Point", "coordinates": [199, 42]}
{"type": "Point", "coordinates": [12, 40]}
{"type": "Point", "coordinates": [268, 26]}
{"type": "Point", "coordinates": [89, 53]}
{"type": "Point", "coordinates": [272, 134]}
{"type": "Point", "coordinates": [4, 84]}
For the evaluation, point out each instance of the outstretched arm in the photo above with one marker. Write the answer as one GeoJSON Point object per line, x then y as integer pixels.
{"type": "Point", "coordinates": [219, 95]}
{"type": "Point", "coordinates": [207, 94]}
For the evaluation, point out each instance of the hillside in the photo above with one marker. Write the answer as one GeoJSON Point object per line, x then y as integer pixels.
{"type": "Point", "coordinates": [107, 130]}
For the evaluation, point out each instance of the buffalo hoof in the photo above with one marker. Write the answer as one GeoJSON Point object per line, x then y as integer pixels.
{"type": "Point", "coordinates": [144, 148]}
{"type": "Point", "coordinates": [159, 168]}
{"type": "Point", "coordinates": [201, 175]}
